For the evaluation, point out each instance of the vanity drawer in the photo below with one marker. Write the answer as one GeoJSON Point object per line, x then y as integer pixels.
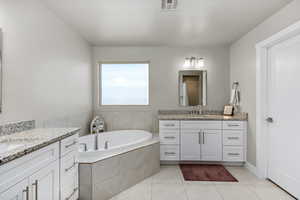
{"type": "Point", "coordinates": [169, 152]}
{"type": "Point", "coordinates": [233, 138]}
{"type": "Point", "coordinates": [168, 124]}
{"type": "Point", "coordinates": [69, 163]}
{"type": "Point", "coordinates": [171, 137]}
{"type": "Point", "coordinates": [233, 154]}
{"type": "Point", "coordinates": [69, 144]}
{"type": "Point", "coordinates": [203, 124]}
{"type": "Point", "coordinates": [69, 176]}
{"type": "Point", "coordinates": [233, 125]}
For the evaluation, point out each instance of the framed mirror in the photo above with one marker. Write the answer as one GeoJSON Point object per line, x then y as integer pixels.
{"type": "Point", "coordinates": [1, 50]}
{"type": "Point", "coordinates": [192, 87]}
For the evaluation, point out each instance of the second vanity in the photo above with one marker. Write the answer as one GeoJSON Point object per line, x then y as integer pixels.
{"type": "Point", "coordinates": [203, 138]}
{"type": "Point", "coordinates": [39, 164]}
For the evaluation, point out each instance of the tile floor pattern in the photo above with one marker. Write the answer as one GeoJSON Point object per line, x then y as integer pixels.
{"type": "Point", "coordinates": [169, 184]}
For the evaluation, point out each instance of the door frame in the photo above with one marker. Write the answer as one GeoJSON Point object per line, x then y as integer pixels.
{"type": "Point", "coordinates": [262, 94]}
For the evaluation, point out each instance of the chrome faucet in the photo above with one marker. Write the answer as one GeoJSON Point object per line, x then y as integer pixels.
{"type": "Point", "coordinates": [196, 110]}
{"type": "Point", "coordinates": [84, 146]}
{"type": "Point", "coordinates": [96, 145]}
{"type": "Point", "coordinates": [106, 145]}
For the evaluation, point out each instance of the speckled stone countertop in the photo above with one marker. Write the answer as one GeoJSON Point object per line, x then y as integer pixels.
{"type": "Point", "coordinates": [19, 144]}
{"type": "Point", "coordinates": [237, 117]}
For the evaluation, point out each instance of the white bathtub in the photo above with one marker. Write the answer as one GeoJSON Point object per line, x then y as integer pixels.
{"type": "Point", "coordinates": [118, 142]}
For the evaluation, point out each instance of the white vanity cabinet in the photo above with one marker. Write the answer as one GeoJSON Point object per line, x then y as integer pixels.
{"type": "Point", "coordinates": [69, 168]}
{"type": "Point", "coordinates": [234, 141]}
{"type": "Point", "coordinates": [203, 140]}
{"type": "Point", "coordinates": [190, 146]}
{"type": "Point", "coordinates": [40, 175]}
{"type": "Point", "coordinates": [44, 184]}
{"type": "Point", "coordinates": [32, 177]}
{"type": "Point", "coordinates": [69, 177]}
{"type": "Point", "coordinates": [169, 140]}
{"type": "Point", "coordinates": [19, 191]}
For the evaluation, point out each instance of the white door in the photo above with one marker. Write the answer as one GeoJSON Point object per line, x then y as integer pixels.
{"type": "Point", "coordinates": [284, 108]}
{"type": "Point", "coordinates": [44, 184]}
{"type": "Point", "coordinates": [211, 147]}
{"type": "Point", "coordinates": [19, 191]}
{"type": "Point", "coordinates": [69, 177]}
{"type": "Point", "coordinates": [190, 145]}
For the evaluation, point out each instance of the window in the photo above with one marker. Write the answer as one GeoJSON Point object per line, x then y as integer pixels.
{"type": "Point", "coordinates": [124, 84]}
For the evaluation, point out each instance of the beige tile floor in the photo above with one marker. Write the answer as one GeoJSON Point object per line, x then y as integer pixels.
{"type": "Point", "coordinates": [169, 184]}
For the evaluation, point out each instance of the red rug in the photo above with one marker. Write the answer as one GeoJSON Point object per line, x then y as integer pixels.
{"type": "Point", "coordinates": [206, 173]}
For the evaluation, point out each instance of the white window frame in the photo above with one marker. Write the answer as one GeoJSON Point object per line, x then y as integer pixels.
{"type": "Point", "coordinates": [99, 84]}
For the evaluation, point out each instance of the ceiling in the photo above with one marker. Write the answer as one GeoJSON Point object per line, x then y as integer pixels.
{"type": "Point", "coordinates": [143, 23]}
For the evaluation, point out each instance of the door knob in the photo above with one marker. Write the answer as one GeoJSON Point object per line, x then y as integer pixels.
{"type": "Point", "coordinates": [270, 120]}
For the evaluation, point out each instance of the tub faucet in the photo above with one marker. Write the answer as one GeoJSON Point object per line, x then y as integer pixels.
{"type": "Point", "coordinates": [96, 145]}
{"type": "Point", "coordinates": [84, 146]}
{"type": "Point", "coordinates": [106, 145]}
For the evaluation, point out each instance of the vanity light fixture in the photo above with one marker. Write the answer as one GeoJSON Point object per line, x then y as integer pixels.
{"type": "Point", "coordinates": [169, 4]}
{"type": "Point", "coordinates": [193, 63]}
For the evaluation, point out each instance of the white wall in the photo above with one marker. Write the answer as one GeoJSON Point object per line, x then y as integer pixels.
{"type": "Point", "coordinates": [243, 64]}
{"type": "Point", "coordinates": [47, 67]}
{"type": "Point", "coordinates": [164, 67]}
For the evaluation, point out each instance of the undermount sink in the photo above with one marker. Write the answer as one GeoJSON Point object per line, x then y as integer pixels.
{"type": "Point", "coordinates": [8, 147]}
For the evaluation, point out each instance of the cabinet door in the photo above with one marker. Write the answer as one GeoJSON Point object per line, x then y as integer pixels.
{"type": "Point", "coordinates": [19, 191]}
{"type": "Point", "coordinates": [69, 177]}
{"type": "Point", "coordinates": [190, 145]}
{"type": "Point", "coordinates": [211, 147]}
{"type": "Point", "coordinates": [44, 184]}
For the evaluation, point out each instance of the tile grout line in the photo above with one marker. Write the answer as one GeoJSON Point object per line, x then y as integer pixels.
{"type": "Point", "coordinates": [151, 198]}
{"type": "Point", "coordinates": [183, 183]}
{"type": "Point", "coordinates": [252, 190]}
{"type": "Point", "coordinates": [218, 191]}
{"type": "Point", "coordinates": [185, 191]}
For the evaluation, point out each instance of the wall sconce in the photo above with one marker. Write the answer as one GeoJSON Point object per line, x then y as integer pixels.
{"type": "Point", "coordinates": [193, 63]}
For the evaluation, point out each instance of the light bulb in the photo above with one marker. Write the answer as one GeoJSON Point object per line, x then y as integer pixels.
{"type": "Point", "coordinates": [187, 63]}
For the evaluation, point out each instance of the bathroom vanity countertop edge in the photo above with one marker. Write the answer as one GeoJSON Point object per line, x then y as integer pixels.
{"type": "Point", "coordinates": [238, 117]}
{"type": "Point", "coordinates": [32, 140]}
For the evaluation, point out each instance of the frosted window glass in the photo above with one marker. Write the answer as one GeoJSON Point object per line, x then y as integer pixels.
{"type": "Point", "coordinates": [125, 84]}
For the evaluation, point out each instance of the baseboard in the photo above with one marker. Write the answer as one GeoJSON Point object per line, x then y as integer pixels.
{"type": "Point", "coordinates": [238, 164]}
{"type": "Point", "coordinates": [251, 168]}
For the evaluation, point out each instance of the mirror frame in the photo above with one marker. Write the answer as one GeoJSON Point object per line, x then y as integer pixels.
{"type": "Point", "coordinates": [193, 72]}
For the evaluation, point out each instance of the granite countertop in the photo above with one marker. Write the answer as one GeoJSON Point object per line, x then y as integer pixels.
{"type": "Point", "coordinates": [236, 117]}
{"type": "Point", "coordinates": [19, 144]}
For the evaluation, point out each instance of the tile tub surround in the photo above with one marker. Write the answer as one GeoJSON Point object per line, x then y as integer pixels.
{"type": "Point", "coordinates": [12, 128]}
{"type": "Point", "coordinates": [207, 115]}
{"type": "Point", "coordinates": [25, 142]}
{"type": "Point", "coordinates": [169, 184]}
{"type": "Point", "coordinates": [106, 178]}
